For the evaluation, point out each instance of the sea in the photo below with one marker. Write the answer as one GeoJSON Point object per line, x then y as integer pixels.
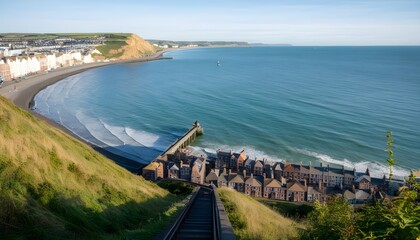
{"type": "Point", "coordinates": [330, 105]}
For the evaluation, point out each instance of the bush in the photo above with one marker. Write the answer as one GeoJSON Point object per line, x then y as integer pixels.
{"type": "Point", "coordinates": [177, 188]}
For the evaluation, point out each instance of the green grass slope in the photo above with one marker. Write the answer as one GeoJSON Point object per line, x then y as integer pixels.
{"type": "Point", "coordinates": [54, 187]}
{"type": "Point", "coordinates": [251, 219]}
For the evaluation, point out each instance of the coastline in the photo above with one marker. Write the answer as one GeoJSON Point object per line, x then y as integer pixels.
{"type": "Point", "coordinates": [22, 94]}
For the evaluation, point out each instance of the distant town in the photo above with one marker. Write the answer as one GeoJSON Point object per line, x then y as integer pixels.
{"type": "Point", "coordinates": [22, 55]}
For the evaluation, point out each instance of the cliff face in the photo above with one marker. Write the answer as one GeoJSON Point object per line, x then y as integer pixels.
{"type": "Point", "coordinates": [135, 47]}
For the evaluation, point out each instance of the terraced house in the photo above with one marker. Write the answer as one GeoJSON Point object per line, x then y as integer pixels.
{"type": "Point", "coordinates": [284, 181]}
{"type": "Point", "coordinates": [292, 182]}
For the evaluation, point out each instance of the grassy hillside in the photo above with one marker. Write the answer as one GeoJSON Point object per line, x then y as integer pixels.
{"type": "Point", "coordinates": [54, 187]}
{"type": "Point", "coordinates": [253, 220]}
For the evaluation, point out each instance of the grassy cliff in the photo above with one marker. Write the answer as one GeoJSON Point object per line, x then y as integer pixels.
{"type": "Point", "coordinates": [253, 220]}
{"type": "Point", "coordinates": [54, 187]}
{"type": "Point", "coordinates": [124, 46]}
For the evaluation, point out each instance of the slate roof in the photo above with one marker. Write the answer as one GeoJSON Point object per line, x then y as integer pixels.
{"type": "Point", "coordinates": [212, 176]}
{"type": "Point", "coordinates": [312, 190]}
{"type": "Point", "coordinates": [173, 166]}
{"type": "Point", "coordinates": [269, 182]}
{"type": "Point", "coordinates": [249, 162]}
{"type": "Point", "coordinates": [295, 187]}
{"type": "Point", "coordinates": [315, 171]}
{"type": "Point", "coordinates": [235, 178]}
{"type": "Point", "coordinates": [258, 164]}
{"type": "Point", "coordinates": [348, 195]}
{"type": "Point", "coordinates": [362, 195]}
{"type": "Point", "coordinates": [304, 170]}
{"type": "Point", "coordinates": [278, 167]}
{"type": "Point", "coordinates": [363, 177]}
{"type": "Point", "coordinates": [253, 182]}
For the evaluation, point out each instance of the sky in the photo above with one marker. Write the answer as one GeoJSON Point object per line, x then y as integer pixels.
{"type": "Point", "coordinates": [310, 22]}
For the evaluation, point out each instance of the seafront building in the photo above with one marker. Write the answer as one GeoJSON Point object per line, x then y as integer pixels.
{"type": "Point", "coordinates": [20, 58]}
{"type": "Point", "coordinates": [284, 181]}
{"type": "Point", "coordinates": [16, 67]}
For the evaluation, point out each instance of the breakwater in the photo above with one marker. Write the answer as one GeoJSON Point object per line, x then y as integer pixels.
{"type": "Point", "coordinates": [183, 142]}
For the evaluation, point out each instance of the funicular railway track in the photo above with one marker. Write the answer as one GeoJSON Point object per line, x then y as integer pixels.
{"type": "Point", "coordinates": [199, 220]}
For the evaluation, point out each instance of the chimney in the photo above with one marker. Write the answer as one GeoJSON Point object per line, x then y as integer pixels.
{"type": "Point", "coordinates": [341, 186]}
{"type": "Point", "coordinates": [320, 185]}
{"type": "Point", "coordinates": [320, 164]}
{"type": "Point", "coordinates": [354, 171]}
{"type": "Point", "coordinates": [304, 183]}
{"type": "Point", "coordinates": [353, 188]}
{"type": "Point", "coordinates": [224, 171]}
{"type": "Point", "coordinates": [328, 167]}
{"type": "Point", "coordinates": [300, 164]}
{"type": "Point", "coordinates": [272, 174]}
{"type": "Point", "coordinates": [244, 173]}
{"type": "Point", "coordinates": [367, 172]}
{"type": "Point", "coordinates": [310, 164]}
{"type": "Point", "coordinates": [264, 175]}
{"type": "Point", "coordinates": [252, 175]}
{"type": "Point", "coordinates": [343, 169]}
{"type": "Point", "coordinates": [230, 171]}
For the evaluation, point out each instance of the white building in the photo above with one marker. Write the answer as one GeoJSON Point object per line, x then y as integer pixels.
{"type": "Point", "coordinates": [88, 59]}
{"type": "Point", "coordinates": [51, 61]}
{"type": "Point", "coordinates": [22, 66]}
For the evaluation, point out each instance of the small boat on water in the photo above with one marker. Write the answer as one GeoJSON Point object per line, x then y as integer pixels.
{"type": "Point", "coordinates": [218, 63]}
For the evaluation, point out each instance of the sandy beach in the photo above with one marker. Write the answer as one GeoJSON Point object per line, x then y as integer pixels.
{"type": "Point", "coordinates": [22, 93]}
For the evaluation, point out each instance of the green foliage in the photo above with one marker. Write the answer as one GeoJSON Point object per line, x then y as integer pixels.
{"type": "Point", "coordinates": [331, 220]}
{"type": "Point", "coordinates": [390, 160]}
{"type": "Point", "coordinates": [288, 209]}
{"type": "Point", "coordinates": [177, 188]}
{"type": "Point", "coordinates": [55, 160]}
{"type": "Point", "coordinates": [397, 219]}
{"type": "Point", "coordinates": [74, 168]}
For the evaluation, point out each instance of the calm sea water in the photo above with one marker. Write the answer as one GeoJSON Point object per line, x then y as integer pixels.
{"type": "Point", "coordinates": [329, 104]}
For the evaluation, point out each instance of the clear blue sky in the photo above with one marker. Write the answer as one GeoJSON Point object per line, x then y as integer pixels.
{"type": "Point", "coordinates": [310, 22]}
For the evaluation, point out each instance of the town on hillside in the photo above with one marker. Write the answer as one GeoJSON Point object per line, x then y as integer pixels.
{"type": "Point", "coordinates": [21, 56]}
{"type": "Point", "coordinates": [284, 181]}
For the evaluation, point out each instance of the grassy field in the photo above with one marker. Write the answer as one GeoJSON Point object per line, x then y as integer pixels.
{"type": "Point", "coordinates": [55, 187]}
{"type": "Point", "coordinates": [111, 45]}
{"type": "Point", "coordinates": [253, 220]}
{"type": "Point", "coordinates": [113, 42]}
